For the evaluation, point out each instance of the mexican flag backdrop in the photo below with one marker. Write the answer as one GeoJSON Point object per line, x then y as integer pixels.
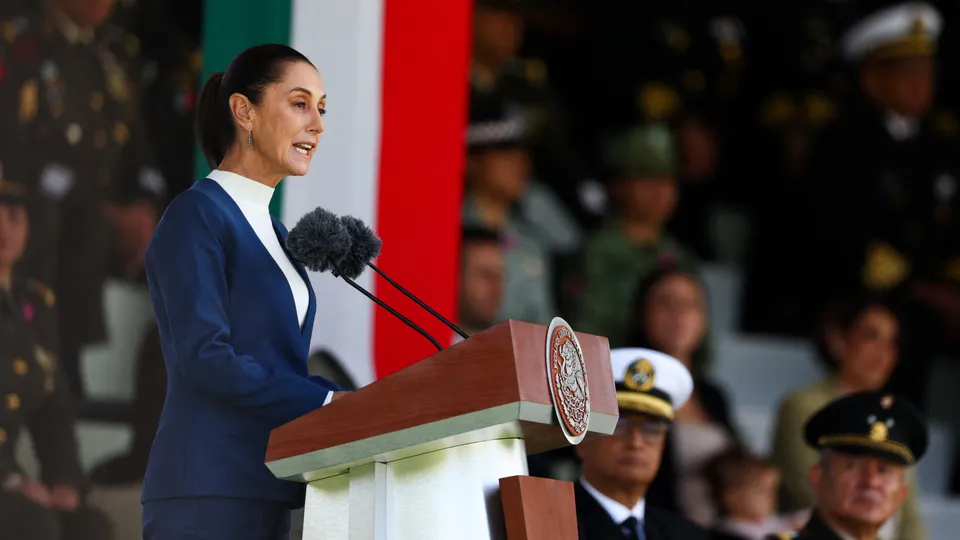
{"type": "Point", "coordinates": [395, 73]}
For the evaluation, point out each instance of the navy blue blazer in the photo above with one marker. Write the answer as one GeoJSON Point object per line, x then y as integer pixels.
{"type": "Point", "coordinates": [235, 354]}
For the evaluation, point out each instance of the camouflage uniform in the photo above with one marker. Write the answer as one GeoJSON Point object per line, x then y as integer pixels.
{"type": "Point", "coordinates": [73, 134]}
{"type": "Point", "coordinates": [612, 265]}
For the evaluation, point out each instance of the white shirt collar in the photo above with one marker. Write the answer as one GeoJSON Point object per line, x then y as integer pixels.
{"type": "Point", "coordinates": [243, 189]}
{"type": "Point", "coordinates": [618, 512]}
{"type": "Point", "coordinates": [900, 127]}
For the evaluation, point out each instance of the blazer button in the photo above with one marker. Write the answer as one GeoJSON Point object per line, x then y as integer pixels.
{"type": "Point", "coordinates": [13, 402]}
{"type": "Point", "coordinates": [20, 367]}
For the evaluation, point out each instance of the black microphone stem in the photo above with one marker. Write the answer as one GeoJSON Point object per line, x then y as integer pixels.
{"type": "Point", "coordinates": [410, 295]}
{"type": "Point", "coordinates": [392, 311]}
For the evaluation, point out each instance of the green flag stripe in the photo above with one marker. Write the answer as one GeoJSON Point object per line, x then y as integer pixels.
{"type": "Point", "coordinates": [231, 26]}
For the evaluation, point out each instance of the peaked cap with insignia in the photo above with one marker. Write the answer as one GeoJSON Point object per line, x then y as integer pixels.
{"type": "Point", "coordinates": [892, 31]}
{"type": "Point", "coordinates": [495, 123]}
{"type": "Point", "coordinates": [872, 423]}
{"type": "Point", "coordinates": [650, 382]}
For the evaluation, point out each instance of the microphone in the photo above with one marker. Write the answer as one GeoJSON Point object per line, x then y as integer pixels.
{"type": "Point", "coordinates": [321, 243]}
{"type": "Point", "coordinates": [365, 246]}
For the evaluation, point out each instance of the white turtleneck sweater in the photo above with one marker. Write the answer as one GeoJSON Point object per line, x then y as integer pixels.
{"type": "Point", "coordinates": [253, 198]}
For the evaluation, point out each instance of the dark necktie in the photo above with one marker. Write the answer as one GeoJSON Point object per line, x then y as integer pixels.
{"type": "Point", "coordinates": [632, 529]}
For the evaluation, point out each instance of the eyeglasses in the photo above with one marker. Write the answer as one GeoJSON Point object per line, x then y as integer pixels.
{"type": "Point", "coordinates": [651, 431]}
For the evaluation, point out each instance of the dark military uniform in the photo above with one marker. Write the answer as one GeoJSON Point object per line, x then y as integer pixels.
{"type": "Point", "coordinates": [864, 423]}
{"type": "Point", "coordinates": [888, 219]}
{"type": "Point", "coordinates": [168, 79]}
{"type": "Point", "coordinates": [72, 131]}
{"type": "Point", "coordinates": [654, 385]}
{"type": "Point", "coordinates": [35, 397]}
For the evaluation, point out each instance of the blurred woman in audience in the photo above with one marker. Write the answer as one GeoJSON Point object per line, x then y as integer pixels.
{"type": "Point", "coordinates": [670, 315]}
{"type": "Point", "coordinates": [859, 342]}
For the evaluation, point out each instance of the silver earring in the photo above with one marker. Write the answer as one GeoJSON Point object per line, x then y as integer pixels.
{"type": "Point", "coordinates": [249, 137]}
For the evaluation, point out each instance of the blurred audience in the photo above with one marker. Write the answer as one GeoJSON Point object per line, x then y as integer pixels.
{"type": "Point", "coordinates": [670, 315]}
{"type": "Point", "coordinates": [641, 166]}
{"type": "Point", "coordinates": [498, 70]}
{"type": "Point", "coordinates": [481, 280]}
{"type": "Point", "coordinates": [498, 175]}
{"type": "Point", "coordinates": [860, 344]}
{"type": "Point", "coordinates": [74, 135]}
{"type": "Point", "coordinates": [744, 490]}
{"type": "Point", "coordinates": [48, 506]}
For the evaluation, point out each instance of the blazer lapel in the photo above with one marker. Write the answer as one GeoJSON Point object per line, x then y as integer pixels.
{"type": "Point", "coordinates": [593, 522]}
{"type": "Point", "coordinates": [281, 231]}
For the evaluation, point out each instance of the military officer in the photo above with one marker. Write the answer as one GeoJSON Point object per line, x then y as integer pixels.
{"type": "Point", "coordinates": [35, 398]}
{"type": "Point", "coordinates": [641, 165]}
{"type": "Point", "coordinates": [72, 133]}
{"type": "Point", "coordinates": [170, 61]}
{"type": "Point", "coordinates": [866, 441]}
{"type": "Point", "coordinates": [497, 68]}
{"type": "Point", "coordinates": [498, 192]}
{"type": "Point", "coordinates": [617, 470]}
{"type": "Point", "coordinates": [883, 184]}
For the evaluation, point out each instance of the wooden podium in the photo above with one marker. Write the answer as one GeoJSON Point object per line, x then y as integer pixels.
{"type": "Point", "coordinates": [420, 454]}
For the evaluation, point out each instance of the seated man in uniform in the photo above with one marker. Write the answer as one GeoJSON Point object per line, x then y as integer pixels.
{"type": "Point", "coordinates": [35, 397]}
{"type": "Point", "coordinates": [866, 441]}
{"type": "Point", "coordinates": [617, 470]}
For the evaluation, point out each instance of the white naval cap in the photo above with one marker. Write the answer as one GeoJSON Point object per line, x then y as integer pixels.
{"type": "Point", "coordinates": [905, 29]}
{"type": "Point", "coordinates": [650, 382]}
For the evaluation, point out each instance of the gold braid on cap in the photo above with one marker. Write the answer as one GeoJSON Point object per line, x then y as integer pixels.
{"type": "Point", "coordinates": [867, 442]}
{"type": "Point", "coordinates": [645, 403]}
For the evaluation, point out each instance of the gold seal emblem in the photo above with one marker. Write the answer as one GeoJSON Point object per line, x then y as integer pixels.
{"type": "Point", "coordinates": [878, 432]}
{"type": "Point", "coordinates": [567, 376]}
{"type": "Point", "coordinates": [639, 376]}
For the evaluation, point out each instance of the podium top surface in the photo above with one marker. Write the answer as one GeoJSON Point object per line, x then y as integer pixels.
{"type": "Point", "coordinates": [496, 376]}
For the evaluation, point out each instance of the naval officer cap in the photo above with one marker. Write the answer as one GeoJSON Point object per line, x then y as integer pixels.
{"type": "Point", "coordinates": [894, 31]}
{"type": "Point", "coordinates": [650, 382]}
{"type": "Point", "coordinates": [870, 423]}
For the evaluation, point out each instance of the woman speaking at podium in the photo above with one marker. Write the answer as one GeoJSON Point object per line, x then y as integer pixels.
{"type": "Point", "coordinates": [235, 313]}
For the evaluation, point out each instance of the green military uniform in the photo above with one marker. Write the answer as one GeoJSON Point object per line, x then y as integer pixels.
{"type": "Point", "coordinates": [872, 423]}
{"type": "Point", "coordinates": [35, 397]}
{"type": "Point", "coordinates": [612, 266]}
{"type": "Point", "coordinates": [794, 458]}
{"type": "Point", "coordinates": [72, 132]}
